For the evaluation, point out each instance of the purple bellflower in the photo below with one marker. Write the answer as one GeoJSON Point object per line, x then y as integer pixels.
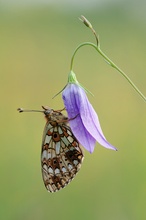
{"type": "Point", "coordinates": [83, 119]}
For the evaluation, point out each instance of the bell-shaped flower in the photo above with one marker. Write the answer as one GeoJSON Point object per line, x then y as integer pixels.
{"type": "Point", "coordinates": [83, 119]}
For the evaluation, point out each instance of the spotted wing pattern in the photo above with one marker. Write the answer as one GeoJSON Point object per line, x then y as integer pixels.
{"type": "Point", "coordinates": [61, 156]}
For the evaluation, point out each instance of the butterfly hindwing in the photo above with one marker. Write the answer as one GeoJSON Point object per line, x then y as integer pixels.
{"type": "Point", "coordinates": [61, 155]}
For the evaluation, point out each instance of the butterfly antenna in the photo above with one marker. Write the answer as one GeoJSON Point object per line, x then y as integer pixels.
{"type": "Point", "coordinates": [28, 110]}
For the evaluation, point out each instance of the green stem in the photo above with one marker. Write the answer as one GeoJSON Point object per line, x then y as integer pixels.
{"type": "Point", "coordinates": [111, 63]}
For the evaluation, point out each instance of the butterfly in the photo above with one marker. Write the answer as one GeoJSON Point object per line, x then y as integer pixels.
{"type": "Point", "coordinates": [61, 154]}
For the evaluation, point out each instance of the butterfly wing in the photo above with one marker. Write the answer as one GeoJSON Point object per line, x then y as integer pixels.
{"type": "Point", "coordinates": [61, 156]}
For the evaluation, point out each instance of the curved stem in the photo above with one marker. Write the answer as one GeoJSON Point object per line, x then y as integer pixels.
{"type": "Point", "coordinates": [111, 63]}
{"type": "Point", "coordinates": [81, 45]}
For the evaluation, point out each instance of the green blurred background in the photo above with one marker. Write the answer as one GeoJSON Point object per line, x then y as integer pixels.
{"type": "Point", "coordinates": [37, 40]}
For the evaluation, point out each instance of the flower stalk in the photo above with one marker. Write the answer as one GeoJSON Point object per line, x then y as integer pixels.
{"type": "Point", "coordinates": [106, 58]}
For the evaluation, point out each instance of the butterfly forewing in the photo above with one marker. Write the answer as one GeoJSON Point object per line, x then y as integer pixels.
{"type": "Point", "coordinates": [61, 155]}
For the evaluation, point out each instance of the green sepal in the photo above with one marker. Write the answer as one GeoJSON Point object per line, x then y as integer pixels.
{"type": "Point", "coordinates": [73, 79]}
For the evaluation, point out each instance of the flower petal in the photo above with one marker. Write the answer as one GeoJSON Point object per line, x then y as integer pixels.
{"type": "Point", "coordinates": [76, 124]}
{"type": "Point", "coordinates": [91, 121]}
{"type": "Point", "coordinates": [84, 120]}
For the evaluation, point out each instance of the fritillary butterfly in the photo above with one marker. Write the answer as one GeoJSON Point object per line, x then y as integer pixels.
{"type": "Point", "coordinates": [61, 155]}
